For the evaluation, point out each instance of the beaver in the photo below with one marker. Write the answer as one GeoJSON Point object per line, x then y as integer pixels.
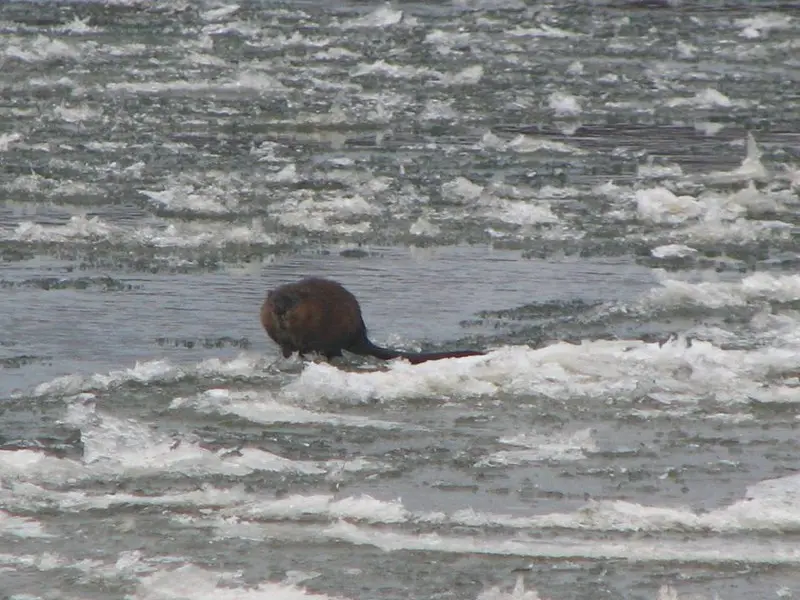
{"type": "Point", "coordinates": [320, 315]}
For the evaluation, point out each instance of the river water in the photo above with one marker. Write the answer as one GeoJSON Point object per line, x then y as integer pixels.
{"type": "Point", "coordinates": [603, 195]}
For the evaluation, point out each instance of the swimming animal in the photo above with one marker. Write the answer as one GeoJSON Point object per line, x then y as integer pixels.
{"type": "Point", "coordinates": [320, 315]}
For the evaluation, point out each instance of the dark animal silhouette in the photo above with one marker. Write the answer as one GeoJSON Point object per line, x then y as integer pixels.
{"type": "Point", "coordinates": [319, 315]}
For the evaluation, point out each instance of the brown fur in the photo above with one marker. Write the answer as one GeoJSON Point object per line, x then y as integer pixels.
{"type": "Point", "coordinates": [319, 315]}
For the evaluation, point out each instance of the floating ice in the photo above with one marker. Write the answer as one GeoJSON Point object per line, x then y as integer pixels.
{"type": "Point", "coordinates": [659, 205]}
{"type": "Point", "coordinates": [564, 104]}
{"type": "Point", "coordinates": [385, 16]}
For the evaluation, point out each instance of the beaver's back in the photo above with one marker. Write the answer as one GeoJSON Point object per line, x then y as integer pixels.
{"type": "Point", "coordinates": [312, 315]}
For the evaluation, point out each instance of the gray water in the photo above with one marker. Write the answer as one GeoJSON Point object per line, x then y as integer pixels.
{"type": "Point", "coordinates": [603, 196]}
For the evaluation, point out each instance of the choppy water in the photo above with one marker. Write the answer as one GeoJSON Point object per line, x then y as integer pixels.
{"type": "Point", "coordinates": [604, 195]}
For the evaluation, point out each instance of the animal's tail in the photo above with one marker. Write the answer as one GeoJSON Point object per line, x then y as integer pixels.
{"type": "Point", "coordinates": [367, 348]}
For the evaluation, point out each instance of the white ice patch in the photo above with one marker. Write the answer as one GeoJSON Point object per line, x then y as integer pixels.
{"type": "Point", "coordinates": [659, 205]}
{"type": "Point", "coordinates": [154, 371]}
{"type": "Point", "coordinates": [263, 408]}
{"type": "Point", "coordinates": [467, 76]}
{"type": "Point", "coordinates": [180, 235]}
{"type": "Point", "coordinates": [190, 582]}
{"type": "Point", "coordinates": [769, 506]}
{"type": "Point", "coordinates": [673, 372]}
{"type": "Point", "coordinates": [384, 16]}
{"type": "Point", "coordinates": [345, 214]}
{"type": "Point", "coordinates": [707, 98]}
{"type": "Point", "coordinates": [540, 447]}
{"type": "Point", "coordinates": [751, 168]}
{"type": "Point", "coordinates": [252, 81]}
{"type": "Point", "coordinates": [354, 508]}
{"type": "Point", "coordinates": [673, 251]}
{"type": "Point", "coordinates": [6, 139]}
{"type": "Point", "coordinates": [542, 30]}
{"type": "Point", "coordinates": [704, 550]}
{"type": "Point", "coordinates": [78, 227]}
{"type": "Point", "coordinates": [527, 144]}
{"type": "Point", "coordinates": [652, 171]}
{"type": "Point", "coordinates": [220, 13]}
{"type": "Point", "coordinates": [37, 49]}
{"type": "Point", "coordinates": [21, 527]}
{"type": "Point", "coordinates": [196, 235]}
{"type": "Point", "coordinates": [758, 26]}
{"type": "Point", "coordinates": [423, 227]}
{"type": "Point", "coordinates": [115, 448]}
{"type": "Point", "coordinates": [185, 198]}
{"type": "Point", "coordinates": [526, 213]}
{"type": "Point", "coordinates": [461, 191]}
{"type": "Point", "coordinates": [564, 104]}
{"type": "Point", "coordinates": [77, 114]}
{"type": "Point", "coordinates": [381, 67]}
{"type": "Point", "coordinates": [755, 288]}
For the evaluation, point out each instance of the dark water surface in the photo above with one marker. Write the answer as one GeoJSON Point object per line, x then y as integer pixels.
{"type": "Point", "coordinates": [603, 195]}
